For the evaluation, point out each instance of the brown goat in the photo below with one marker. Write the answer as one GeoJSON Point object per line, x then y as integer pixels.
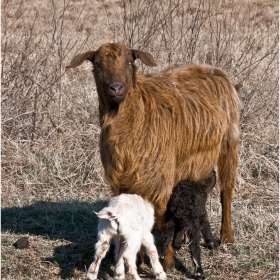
{"type": "Point", "coordinates": [159, 129]}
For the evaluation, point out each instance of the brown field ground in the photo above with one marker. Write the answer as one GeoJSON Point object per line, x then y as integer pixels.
{"type": "Point", "coordinates": [52, 178]}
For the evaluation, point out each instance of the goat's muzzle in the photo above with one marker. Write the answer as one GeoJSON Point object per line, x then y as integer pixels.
{"type": "Point", "coordinates": [116, 92]}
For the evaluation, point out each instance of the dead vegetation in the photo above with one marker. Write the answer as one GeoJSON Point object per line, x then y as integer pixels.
{"type": "Point", "coordinates": [52, 177]}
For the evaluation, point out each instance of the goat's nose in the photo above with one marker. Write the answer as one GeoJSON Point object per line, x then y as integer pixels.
{"type": "Point", "coordinates": [116, 87]}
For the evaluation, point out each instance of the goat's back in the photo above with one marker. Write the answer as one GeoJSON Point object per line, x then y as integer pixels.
{"type": "Point", "coordinates": [186, 203]}
{"type": "Point", "coordinates": [169, 128]}
{"type": "Point", "coordinates": [132, 213]}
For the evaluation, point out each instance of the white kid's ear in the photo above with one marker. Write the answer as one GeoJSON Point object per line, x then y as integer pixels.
{"type": "Point", "coordinates": [105, 214]}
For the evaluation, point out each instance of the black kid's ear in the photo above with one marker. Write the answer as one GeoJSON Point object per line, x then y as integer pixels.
{"type": "Point", "coordinates": [80, 58]}
{"type": "Point", "coordinates": [145, 57]}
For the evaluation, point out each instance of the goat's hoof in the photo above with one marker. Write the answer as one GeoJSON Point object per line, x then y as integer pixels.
{"type": "Point", "coordinates": [168, 265]}
{"type": "Point", "coordinates": [215, 245]}
{"type": "Point", "coordinates": [227, 237]}
{"type": "Point", "coordinates": [161, 276]}
{"type": "Point", "coordinates": [134, 277]}
{"type": "Point", "coordinates": [119, 277]}
{"type": "Point", "coordinates": [199, 277]}
{"type": "Point", "coordinates": [91, 276]}
{"type": "Point", "coordinates": [198, 274]}
{"type": "Point", "coordinates": [168, 270]}
{"type": "Point", "coordinates": [212, 245]}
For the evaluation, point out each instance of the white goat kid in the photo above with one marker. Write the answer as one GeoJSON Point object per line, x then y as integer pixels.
{"type": "Point", "coordinates": [128, 220]}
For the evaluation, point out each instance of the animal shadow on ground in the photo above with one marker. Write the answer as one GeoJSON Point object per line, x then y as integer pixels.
{"type": "Point", "coordinates": [72, 222]}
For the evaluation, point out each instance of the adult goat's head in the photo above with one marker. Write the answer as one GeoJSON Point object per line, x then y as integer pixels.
{"type": "Point", "coordinates": [113, 69]}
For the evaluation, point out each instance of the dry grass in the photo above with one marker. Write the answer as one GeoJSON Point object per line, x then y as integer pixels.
{"type": "Point", "coordinates": [52, 178]}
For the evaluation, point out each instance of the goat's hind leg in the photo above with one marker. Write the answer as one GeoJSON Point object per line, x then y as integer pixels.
{"type": "Point", "coordinates": [101, 249]}
{"type": "Point", "coordinates": [227, 171]}
{"type": "Point", "coordinates": [148, 243]}
{"type": "Point", "coordinates": [119, 267]}
{"type": "Point", "coordinates": [131, 248]}
{"type": "Point", "coordinates": [209, 239]}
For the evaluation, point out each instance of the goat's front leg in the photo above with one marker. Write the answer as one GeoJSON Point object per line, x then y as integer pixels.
{"type": "Point", "coordinates": [165, 248]}
{"type": "Point", "coordinates": [169, 254]}
{"type": "Point", "coordinates": [194, 235]}
{"type": "Point", "coordinates": [209, 239]}
{"type": "Point", "coordinates": [101, 249]}
{"type": "Point", "coordinates": [169, 259]}
{"type": "Point", "coordinates": [148, 242]}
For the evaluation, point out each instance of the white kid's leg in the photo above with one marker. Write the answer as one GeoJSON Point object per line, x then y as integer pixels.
{"type": "Point", "coordinates": [119, 267]}
{"type": "Point", "coordinates": [101, 249]}
{"type": "Point", "coordinates": [131, 264]}
{"type": "Point", "coordinates": [148, 243]}
{"type": "Point", "coordinates": [132, 246]}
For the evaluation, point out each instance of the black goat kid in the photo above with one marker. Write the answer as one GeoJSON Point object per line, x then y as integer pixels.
{"type": "Point", "coordinates": [186, 213]}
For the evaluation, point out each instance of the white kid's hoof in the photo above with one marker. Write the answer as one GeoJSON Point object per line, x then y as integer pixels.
{"type": "Point", "coordinates": [161, 276]}
{"type": "Point", "coordinates": [91, 276]}
{"type": "Point", "coordinates": [119, 277]}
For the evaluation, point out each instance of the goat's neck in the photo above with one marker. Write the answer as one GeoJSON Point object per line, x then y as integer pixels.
{"type": "Point", "coordinates": [111, 113]}
{"type": "Point", "coordinates": [107, 115]}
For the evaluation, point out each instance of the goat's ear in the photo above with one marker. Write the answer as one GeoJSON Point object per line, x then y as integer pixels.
{"type": "Point", "coordinates": [145, 57]}
{"type": "Point", "coordinates": [104, 214]}
{"type": "Point", "coordinates": [80, 58]}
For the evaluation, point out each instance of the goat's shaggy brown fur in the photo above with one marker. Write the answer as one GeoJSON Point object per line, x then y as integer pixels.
{"type": "Point", "coordinates": [159, 129]}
